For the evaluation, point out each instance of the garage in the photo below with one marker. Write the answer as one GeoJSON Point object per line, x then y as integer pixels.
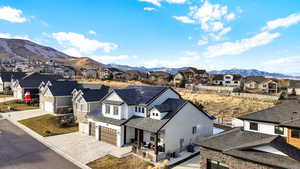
{"type": "Point", "coordinates": [48, 107]}
{"type": "Point", "coordinates": [108, 135]}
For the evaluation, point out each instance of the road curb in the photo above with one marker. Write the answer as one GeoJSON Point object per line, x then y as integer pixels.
{"type": "Point", "coordinates": [50, 146]}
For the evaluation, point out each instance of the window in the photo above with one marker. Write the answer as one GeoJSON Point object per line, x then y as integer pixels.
{"type": "Point", "coordinates": [139, 109]}
{"type": "Point", "coordinates": [194, 130]}
{"type": "Point", "coordinates": [143, 110]}
{"type": "Point", "coordinates": [116, 110]}
{"type": "Point", "coordinates": [107, 109]}
{"type": "Point", "coordinates": [279, 130]}
{"type": "Point", "coordinates": [295, 133]}
{"type": "Point", "coordinates": [136, 108]}
{"type": "Point", "coordinates": [216, 164]}
{"type": "Point", "coordinates": [253, 126]}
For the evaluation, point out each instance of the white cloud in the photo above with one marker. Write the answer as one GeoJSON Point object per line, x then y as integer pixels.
{"type": "Point", "coordinates": [230, 17]}
{"type": "Point", "coordinates": [92, 32]}
{"type": "Point", "coordinates": [290, 64]}
{"type": "Point", "coordinates": [212, 18]}
{"type": "Point", "coordinates": [184, 19]}
{"type": "Point", "coordinates": [154, 2]}
{"type": "Point", "coordinates": [81, 43]}
{"type": "Point", "coordinates": [283, 22]}
{"type": "Point", "coordinates": [202, 41]}
{"type": "Point", "coordinates": [12, 15]}
{"type": "Point", "coordinates": [176, 1]}
{"type": "Point", "coordinates": [238, 47]}
{"type": "Point", "coordinates": [149, 9]}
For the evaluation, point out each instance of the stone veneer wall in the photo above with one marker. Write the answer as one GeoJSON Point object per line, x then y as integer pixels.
{"type": "Point", "coordinates": [234, 163]}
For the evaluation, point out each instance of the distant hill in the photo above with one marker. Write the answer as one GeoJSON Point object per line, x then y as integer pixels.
{"type": "Point", "coordinates": [25, 50]}
{"type": "Point", "coordinates": [250, 72]}
{"type": "Point", "coordinates": [144, 69]}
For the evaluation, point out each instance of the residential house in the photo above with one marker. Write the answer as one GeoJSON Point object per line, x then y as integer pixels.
{"type": "Point", "coordinates": [89, 73]}
{"type": "Point", "coordinates": [269, 86]}
{"type": "Point", "coordinates": [87, 99]}
{"type": "Point", "coordinates": [135, 75]}
{"type": "Point", "coordinates": [156, 120]}
{"type": "Point", "coordinates": [31, 83]}
{"type": "Point", "coordinates": [252, 82]}
{"type": "Point", "coordinates": [6, 79]}
{"type": "Point", "coordinates": [56, 96]}
{"type": "Point", "coordinates": [268, 139]}
{"type": "Point", "coordinates": [160, 77]}
{"type": "Point", "coordinates": [190, 76]}
{"type": "Point", "coordinates": [110, 73]}
{"type": "Point", "coordinates": [294, 87]}
{"type": "Point", "coordinates": [233, 80]}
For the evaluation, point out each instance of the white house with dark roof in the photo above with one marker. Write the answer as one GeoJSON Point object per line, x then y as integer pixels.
{"type": "Point", "coordinates": [156, 120]}
{"type": "Point", "coordinates": [6, 79]}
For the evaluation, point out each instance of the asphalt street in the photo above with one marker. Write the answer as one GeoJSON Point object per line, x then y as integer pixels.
{"type": "Point", "coordinates": [18, 150]}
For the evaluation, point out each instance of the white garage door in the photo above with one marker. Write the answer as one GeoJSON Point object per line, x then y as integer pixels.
{"type": "Point", "coordinates": [49, 107]}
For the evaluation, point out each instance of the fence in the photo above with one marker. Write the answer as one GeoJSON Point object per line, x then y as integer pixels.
{"type": "Point", "coordinates": [257, 96]}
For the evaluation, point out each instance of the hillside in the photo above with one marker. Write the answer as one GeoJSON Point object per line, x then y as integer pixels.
{"type": "Point", "coordinates": [249, 72]}
{"type": "Point", "coordinates": [25, 50]}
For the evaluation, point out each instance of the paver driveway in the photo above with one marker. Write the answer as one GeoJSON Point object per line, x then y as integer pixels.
{"type": "Point", "coordinates": [18, 150]}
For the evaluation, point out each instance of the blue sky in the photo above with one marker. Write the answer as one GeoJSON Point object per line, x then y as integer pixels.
{"type": "Point", "coordinates": [210, 34]}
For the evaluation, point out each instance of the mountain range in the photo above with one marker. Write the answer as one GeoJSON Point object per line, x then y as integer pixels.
{"type": "Point", "coordinates": [25, 50]}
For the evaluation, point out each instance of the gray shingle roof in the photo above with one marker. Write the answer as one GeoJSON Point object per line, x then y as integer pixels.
{"type": "Point", "coordinates": [92, 95]}
{"type": "Point", "coordinates": [277, 114]}
{"type": "Point", "coordinates": [294, 84]}
{"type": "Point", "coordinates": [257, 79]}
{"type": "Point", "coordinates": [97, 116]}
{"type": "Point", "coordinates": [135, 95]}
{"type": "Point", "coordinates": [7, 76]}
{"type": "Point", "coordinates": [35, 79]}
{"type": "Point", "coordinates": [239, 143]}
{"type": "Point", "coordinates": [291, 123]}
{"type": "Point", "coordinates": [63, 88]}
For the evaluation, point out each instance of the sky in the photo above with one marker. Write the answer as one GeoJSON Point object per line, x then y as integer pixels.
{"type": "Point", "coordinates": [207, 34]}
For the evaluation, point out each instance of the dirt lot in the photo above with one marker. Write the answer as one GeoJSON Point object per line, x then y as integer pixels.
{"type": "Point", "coordinates": [114, 84]}
{"type": "Point", "coordinates": [222, 107]}
{"type": "Point", "coordinates": [225, 107]}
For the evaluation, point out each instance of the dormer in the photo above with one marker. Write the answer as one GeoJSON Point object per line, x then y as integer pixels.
{"type": "Point", "coordinates": [156, 114]}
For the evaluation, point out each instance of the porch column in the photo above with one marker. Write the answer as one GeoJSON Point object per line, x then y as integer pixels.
{"type": "Point", "coordinates": [156, 146]}
{"type": "Point", "coordinates": [138, 138]}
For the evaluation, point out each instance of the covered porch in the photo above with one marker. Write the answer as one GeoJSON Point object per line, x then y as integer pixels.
{"type": "Point", "coordinates": [149, 145]}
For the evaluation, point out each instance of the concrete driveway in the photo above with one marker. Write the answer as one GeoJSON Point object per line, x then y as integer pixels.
{"type": "Point", "coordinates": [84, 148]}
{"type": "Point", "coordinates": [21, 115]}
{"type": "Point", "coordinates": [18, 150]}
{"type": "Point", "coordinates": [193, 163]}
{"type": "Point", "coordinates": [5, 99]}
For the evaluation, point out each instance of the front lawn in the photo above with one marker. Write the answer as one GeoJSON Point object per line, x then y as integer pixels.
{"type": "Point", "coordinates": [16, 106]}
{"type": "Point", "coordinates": [111, 162]}
{"type": "Point", "coordinates": [48, 125]}
{"type": "Point", "coordinates": [5, 95]}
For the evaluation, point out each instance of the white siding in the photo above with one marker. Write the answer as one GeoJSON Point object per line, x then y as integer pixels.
{"type": "Point", "coordinates": [163, 97]}
{"type": "Point", "coordinates": [267, 128]}
{"type": "Point", "coordinates": [181, 125]}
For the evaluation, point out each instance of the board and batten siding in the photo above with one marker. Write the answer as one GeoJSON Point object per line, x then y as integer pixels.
{"type": "Point", "coordinates": [266, 128]}
{"type": "Point", "coordinates": [181, 127]}
{"type": "Point", "coordinates": [163, 97]}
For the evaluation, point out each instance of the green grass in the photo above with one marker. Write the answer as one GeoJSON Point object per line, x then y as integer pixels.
{"type": "Point", "coordinates": [48, 125]}
{"type": "Point", "coordinates": [111, 162]}
{"type": "Point", "coordinates": [16, 105]}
